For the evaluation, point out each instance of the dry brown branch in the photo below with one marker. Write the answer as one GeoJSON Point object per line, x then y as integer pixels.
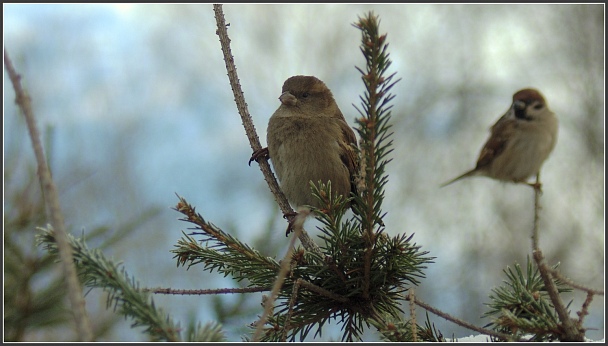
{"type": "Point", "coordinates": [461, 322]}
{"type": "Point", "coordinates": [314, 288]}
{"type": "Point", "coordinates": [585, 309]}
{"type": "Point", "coordinates": [203, 292]}
{"type": "Point", "coordinates": [278, 283]}
{"type": "Point", "coordinates": [292, 302]}
{"type": "Point", "coordinates": [412, 297]}
{"type": "Point", "coordinates": [573, 284]}
{"type": "Point", "coordinates": [571, 329]}
{"type": "Point", "coordinates": [51, 200]}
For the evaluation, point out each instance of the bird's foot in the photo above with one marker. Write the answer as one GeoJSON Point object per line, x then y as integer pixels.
{"type": "Point", "coordinates": [259, 154]}
{"type": "Point", "coordinates": [291, 217]}
{"type": "Point", "coordinates": [296, 219]}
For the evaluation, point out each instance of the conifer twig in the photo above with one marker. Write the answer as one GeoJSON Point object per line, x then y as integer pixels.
{"type": "Point", "coordinates": [97, 271]}
{"type": "Point", "coordinates": [373, 132]}
{"type": "Point", "coordinates": [51, 199]}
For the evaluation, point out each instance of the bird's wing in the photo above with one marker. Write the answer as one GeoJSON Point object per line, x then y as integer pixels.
{"type": "Point", "coordinates": [501, 132]}
{"type": "Point", "coordinates": [348, 154]}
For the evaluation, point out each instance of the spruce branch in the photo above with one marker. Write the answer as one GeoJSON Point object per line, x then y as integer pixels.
{"type": "Point", "coordinates": [96, 271]}
{"type": "Point", "coordinates": [210, 332]}
{"type": "Point", "coordinates": [408, 331]}
{"type": "Point", "coordinates": [223, 252]}
{"type": "Point", "coordinates": [523, 305]}
{"type": "Point", "coordinates": [373, 130]}
{"type": "Point", "coordinates": [53, 208]}
{"type": "Point", "coordinates": [229, 256]}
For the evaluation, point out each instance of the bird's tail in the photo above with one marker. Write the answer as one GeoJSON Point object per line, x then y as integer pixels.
{"type": "Point", "coordinates": [464, 175]}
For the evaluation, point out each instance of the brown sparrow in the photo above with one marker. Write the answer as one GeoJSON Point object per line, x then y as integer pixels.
{"type": "Point", "coordinates": [309, 140]}
{"type": "Point", "coordinates": [520, 141]}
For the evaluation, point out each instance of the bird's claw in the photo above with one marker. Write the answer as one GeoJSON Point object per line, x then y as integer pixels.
{"type": "Point", "coordinates": [258, 154]}
{"type": "Point", "coordinates": [291, 217]}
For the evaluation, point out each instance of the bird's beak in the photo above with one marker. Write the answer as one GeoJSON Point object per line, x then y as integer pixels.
{"type": "Point", "coordinates": [288, 99]}
{"type": "Point", "coordinates": [519, 105]}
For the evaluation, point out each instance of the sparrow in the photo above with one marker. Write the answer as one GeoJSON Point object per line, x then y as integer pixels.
{"type": "Point", "coordinates": [520, 141]}
{"type": "Point", "coordinates": [309, 140]}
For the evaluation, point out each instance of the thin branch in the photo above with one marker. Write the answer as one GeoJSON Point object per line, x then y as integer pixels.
{"type": "Point", "coordinates": [461, 322]}
{"type": "Point", "coordinates": [585, 309]}
{"type": "Point", "coordinates": [51, 199]}
{"type": "Point", "coordinates": [537, 208]}
{"type": "Point", "coordinates": [573, 284]}
{"type": "Point", "coordinates": [314, 288]}
{"type": "Point", "coordinates": [292, 302]}
{"type": "Point", "coordinates": [269, 303]}
{"type": "Point", "coordinates": [572, 333]}
{"type": "Point", "coordinates": [412, 298]}
{"type": "Point", "coordinates": [254, 141]}
{"type": "Point", "coordinates": [571, 330]}
{"type": "Point", "coordinates": [173, 291]}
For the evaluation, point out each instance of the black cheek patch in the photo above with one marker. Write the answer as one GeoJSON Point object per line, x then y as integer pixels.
{"type": "Point", "coordinates": [520, 113]}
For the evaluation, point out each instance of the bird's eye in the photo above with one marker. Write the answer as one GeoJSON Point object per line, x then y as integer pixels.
{"type": "Point", "coordinates": [305, 95]}
{"type": "Point", "coordinates": [538, 106]}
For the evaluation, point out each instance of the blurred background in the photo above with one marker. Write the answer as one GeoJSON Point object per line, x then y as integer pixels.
{"type": "Point", "coordinates": [135, 106]}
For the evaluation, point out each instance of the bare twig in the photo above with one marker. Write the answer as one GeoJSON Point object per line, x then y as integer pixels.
{"type": "Point", "coordinates": [585, 309]}
{"type": "Point", "coordinates": [572, 332]}
{"type": "Point", "coordinates": [412, 298]}
{"type": "Point", "coordinates": [51, 199]}
{"type": "Point", "coordinates": [573, 284]}
{"type": "Point", "coordinates": [254, 141]}
{"type": "Point", "coordinates": [203, 292]}
{"type": "Point", "coordinates": [537, 208]}
{"type": "Point", "coordinates": [461, 322]}
{"type": "Point", "coordinates": [314, 288]}
{"type": "Point", "coordinates": [292, 302]}
{"type": "Point", "coordinates": [278, 283]}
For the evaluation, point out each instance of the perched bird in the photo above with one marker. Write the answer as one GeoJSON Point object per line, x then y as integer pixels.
{"type": "Point", "coordinates": [309, 140]}
{"type": "Point", "coordinates": [520, 141]}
